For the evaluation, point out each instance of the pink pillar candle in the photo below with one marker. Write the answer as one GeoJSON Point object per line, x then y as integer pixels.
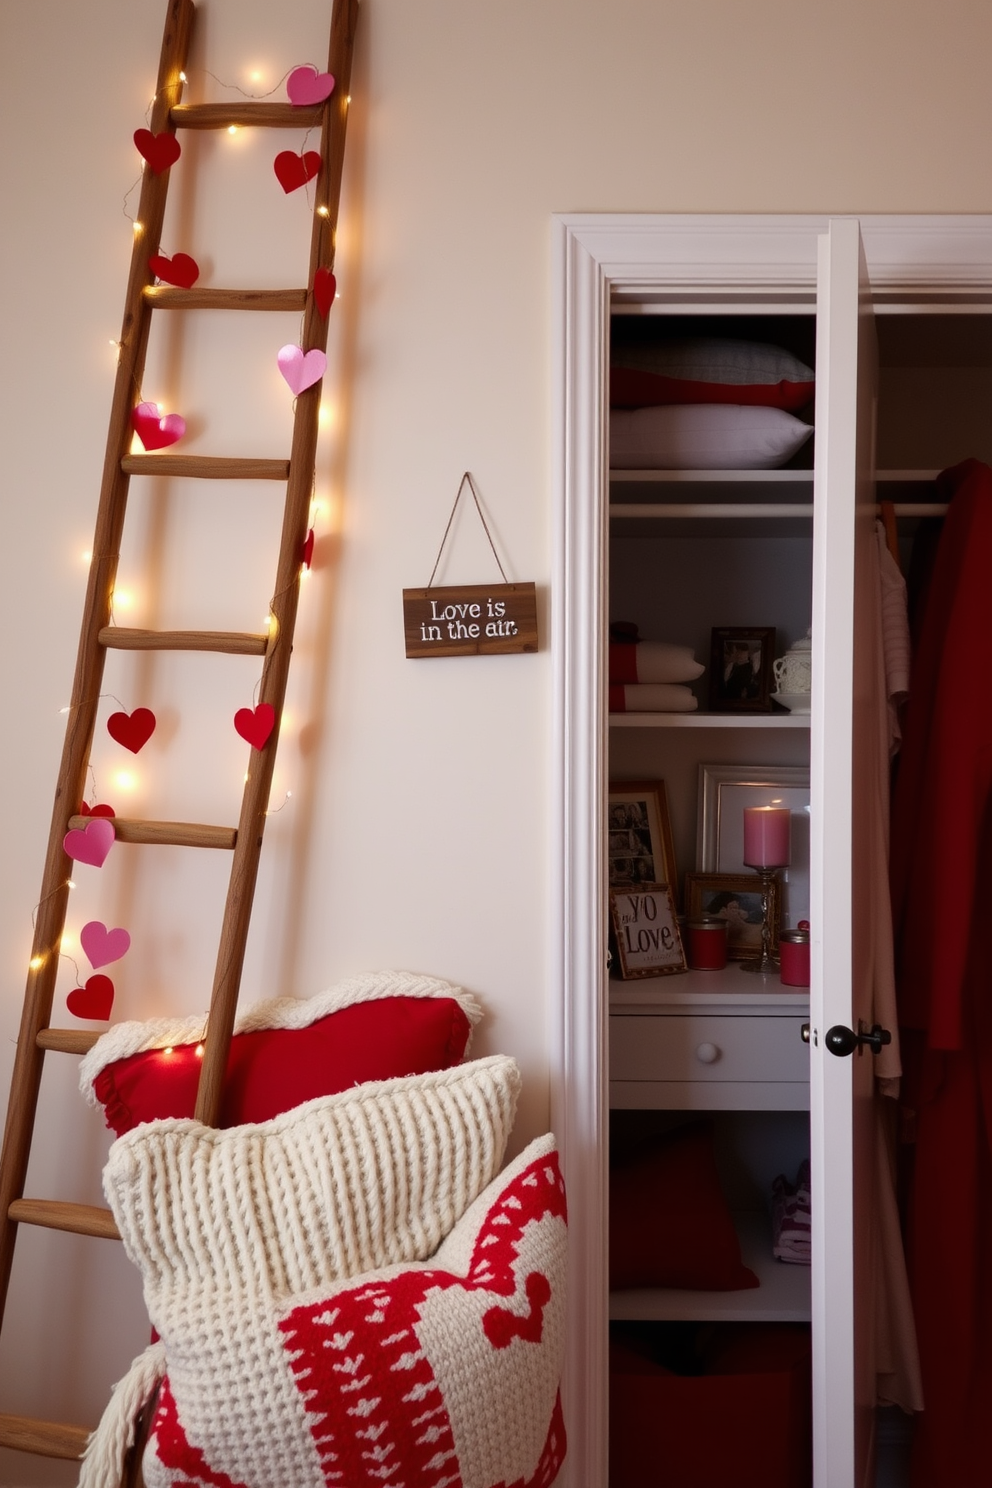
{"type": "Point", "coordinates": [766, 836]}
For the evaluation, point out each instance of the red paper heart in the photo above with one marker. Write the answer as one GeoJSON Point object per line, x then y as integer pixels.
{"type": "Point", "coordinates": [324, 289]}
{"type": "Point", "coordinates": [180, 269]}
{"type": "Point", "coordinates": [99, 810]}
{"type": "Point", "coordinates": [160, 150]}
{"type": "Point", "coordinates": [92, 1001]}
{"type": "Point", "coordinates": [255, 724]}
{"type": "Point", "coordinates": [133, 730]}
{"type": "Point", "coordinates": [154, 431]}
{"type": "Point", "coordinates": [294, 171]}
{"type": "Point", "coordinates": [307, 558]}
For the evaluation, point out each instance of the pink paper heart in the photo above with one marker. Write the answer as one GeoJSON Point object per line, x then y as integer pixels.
{"type": "Point", "coordinates": [255, 724]}
{"type": "Point", "coordinates": [102, 945]}
{"type": "Point", "coordinates": [92, 843]}
{"type": "Point", "coordinates": [324, 289]}
{"type": "Point", "coordinates": [154, 431]}
{"type": "Point", "coordinates": [92, 1001]}
{"type": "Point", "coordinates": [307, 85]}
{"type": "Point", "coordinates": [301, 370]}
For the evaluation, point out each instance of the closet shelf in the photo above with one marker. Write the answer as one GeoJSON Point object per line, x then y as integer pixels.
{"type": "Point", "coordinates": [782, 1297]}
{"type": "Point", "coordinates": [710, 720]}
{"type": "Point", "coordinates": [728, 992]}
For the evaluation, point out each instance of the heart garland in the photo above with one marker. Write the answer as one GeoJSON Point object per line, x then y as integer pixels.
{"type": "Point", "coordinates": [154, 431]}
{"type": "Point", "coordinates": [93, 1001]}
{"type": "Point", "coordinates": [180, 269]}
{"type": "Point", "coordinates": [294, 171]}
{"type": "Point", "coordinates": [92, 843]}
{"type": "Point", "coordinates": [307, 555]}
{"type": "Point", "coordinates": [99, 810]}
{"type": "Point", "coordinates": [306, 85]}
{"type": "Point", "coordinates": [324, 289]}
{"type": "Point", "coordinates": [256, 724]}
{"type": "Point", "coordinates": [301, 369]}
{"type": "Point", "coordinates": [133, 730]}
{"type": "Point", "coordinates": [102, 945]}
{"type": "Point", "coordinates": [160, 150]}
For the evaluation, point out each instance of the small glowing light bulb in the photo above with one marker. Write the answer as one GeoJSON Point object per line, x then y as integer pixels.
{"type": "Point", "coordinates": [65, 709]}
{"type": "Point", "coordinates": [348, 99]}
{"type": "Point", "coordinates": [232, 128]}
{"type": "Point", "coordinates": [122, 599]}
{"type": "Point", "coordinates": [183, 78]}
{"type": "Point", "coordinates": [199, 1051]}
{"type": "Point", "coordinates": [168, 1050]}
{"type": "Point", "coordinates": [87, 557]}
{"type": "Point", "coordinates": [247, 777]}
{"type": "Point", "coordinates": [323, 212]}
{"type": "Point", "coordinates": [70, 883]}
{"type": "Point", "coordinates": [36, 963]}
{"type": "Point", "coordinates": [124, 780]}
{"type": "Point", "coordinates": [256, 76]}
{"type": "Point", "coordinates": [137, 228]}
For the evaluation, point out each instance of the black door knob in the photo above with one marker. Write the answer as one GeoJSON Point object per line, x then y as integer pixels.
{"type": "Point", "coordinates": [843, 1041]}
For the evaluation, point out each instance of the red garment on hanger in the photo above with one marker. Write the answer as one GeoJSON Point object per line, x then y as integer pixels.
{"type": "Point", "coordinates": [941, 855]}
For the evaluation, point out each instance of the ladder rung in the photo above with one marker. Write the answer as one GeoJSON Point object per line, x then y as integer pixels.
{"type": "Point", "coordinates": [169, 297]}
{"type": "Point", "coordinates": [248, 115]}
{"type": "Point", "coordinates": [55, 1214]}
{"type": "Point", "coordinates": [230, 642]}
{"type": "Point", "coordinates": [43, 1438]}
{"type": "Point", "coordinates": [67, 1040]}
{"type": "Point", "coordinates": [165, 834]}
{"type": "Point", "coordinates": [206, 467]}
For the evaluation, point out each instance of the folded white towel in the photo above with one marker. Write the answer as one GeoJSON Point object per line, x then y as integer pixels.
{"type": "Point", "coordinates": [652, 697]}
{"type": "Point", "coordinates": [653, 661]}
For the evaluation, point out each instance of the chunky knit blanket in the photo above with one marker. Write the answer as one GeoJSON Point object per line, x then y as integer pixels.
{"type": "Point", "coordinates": [307, 1338]}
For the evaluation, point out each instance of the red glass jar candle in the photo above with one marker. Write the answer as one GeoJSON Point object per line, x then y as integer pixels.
{"type": "Point", "coordinates": [707, 943]}
{"type": "Point", "coordinates": [793, 956]}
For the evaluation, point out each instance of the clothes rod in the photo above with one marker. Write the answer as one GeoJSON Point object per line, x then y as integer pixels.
{"type": "Point", "coordinates": [750, 510]}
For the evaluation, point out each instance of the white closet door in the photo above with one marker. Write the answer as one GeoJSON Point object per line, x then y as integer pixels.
{"type": "Point", "coordinates": [840, 778]}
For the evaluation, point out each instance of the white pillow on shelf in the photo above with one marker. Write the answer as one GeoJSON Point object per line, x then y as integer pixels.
{"type": "Point", "coordinates": [704, 436]}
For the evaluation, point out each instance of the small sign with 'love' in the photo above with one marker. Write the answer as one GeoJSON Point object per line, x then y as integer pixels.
{"type": "Point", "coordinates": [470, 620]}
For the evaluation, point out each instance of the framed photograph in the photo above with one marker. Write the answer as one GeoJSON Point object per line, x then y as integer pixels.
{"type": "Point", "coordinates": [736, 898]}
{"type": "Point", "coordinates": [724, 791]}
{"type": "Point", "coordinates": [741, 668]}
{"type": "Point", "coordinates": [646, 931]}
{"type": "Point", "coordinates": [639, 835]}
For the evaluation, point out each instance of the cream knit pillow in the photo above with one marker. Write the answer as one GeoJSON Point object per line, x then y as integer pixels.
{"type": "Point", "coordinates": [225, 1226]}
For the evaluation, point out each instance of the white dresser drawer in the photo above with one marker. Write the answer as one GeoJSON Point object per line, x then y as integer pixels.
{"type": "Point", "coordinates": [764, 1057]}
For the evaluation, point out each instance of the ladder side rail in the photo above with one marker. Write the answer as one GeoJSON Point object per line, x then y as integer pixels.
{"type": "Point", "coordinates": [50, 919]}
{"type": "Point", "coordinates": [275, 669]}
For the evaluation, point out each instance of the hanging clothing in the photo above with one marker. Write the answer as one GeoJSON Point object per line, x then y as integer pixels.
{"type": "Point", "coordinates": [941, 888]}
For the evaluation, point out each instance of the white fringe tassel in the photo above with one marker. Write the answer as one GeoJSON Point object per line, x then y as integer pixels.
{"type": "Point", "coordinates": [103, 1459]}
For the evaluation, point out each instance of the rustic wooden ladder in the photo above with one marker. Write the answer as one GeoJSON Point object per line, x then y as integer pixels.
{"type": "Point", "coordinates": [36, 1036]}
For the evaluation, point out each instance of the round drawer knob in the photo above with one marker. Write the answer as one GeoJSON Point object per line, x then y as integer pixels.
{"type": "Point", "coordinates": [707, 1053]}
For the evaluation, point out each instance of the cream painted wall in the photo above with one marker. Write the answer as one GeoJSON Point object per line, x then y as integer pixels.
{"type": "Point", "coordinates": [418, 830]}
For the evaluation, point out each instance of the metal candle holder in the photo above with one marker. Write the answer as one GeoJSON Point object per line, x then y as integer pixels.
{"type": "Point", "coordinates": [767, 962]}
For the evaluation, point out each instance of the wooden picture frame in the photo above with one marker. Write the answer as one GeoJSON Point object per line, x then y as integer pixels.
{"type": "Point", "coordinates": [639, 844]}
{"type": "Point", "coordinates": [736, 898]}
{"type": "Point", "coordinates": [741, 658]}
{"type": "Point", "coordinates": [646, 932]}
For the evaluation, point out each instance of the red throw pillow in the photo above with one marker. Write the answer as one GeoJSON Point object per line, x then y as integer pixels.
{"type": "Point", "coordinates": [285, 1052]}
{"type": "Point", "coordinates": [669, 1221]}
{"type": "Point", "coordinates": [631, 387]}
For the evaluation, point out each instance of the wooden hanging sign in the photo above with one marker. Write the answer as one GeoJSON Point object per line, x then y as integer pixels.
{"type": "Point", "coordinates": [470, 620]}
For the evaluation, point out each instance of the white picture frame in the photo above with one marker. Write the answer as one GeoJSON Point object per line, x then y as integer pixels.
{"type": "Point", "coordinates": [724, 792]}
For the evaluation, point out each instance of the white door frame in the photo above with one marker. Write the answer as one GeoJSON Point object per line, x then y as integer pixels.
{"type": "Point", "coordinates": [703, 258]}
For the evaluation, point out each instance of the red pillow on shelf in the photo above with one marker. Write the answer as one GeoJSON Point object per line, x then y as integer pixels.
{"type": "Point", "coordinates": [377, 1027]}
{"type": "Point", "coordinates": [669, 1221]}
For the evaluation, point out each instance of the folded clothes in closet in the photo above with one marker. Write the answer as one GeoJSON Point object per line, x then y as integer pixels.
{"type": "Point", "coordinates": [791, 1233]}
{"type": "Point", "coordinates": [651, 697]}
{"type": "Point", "coordinates": [653, 661]}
